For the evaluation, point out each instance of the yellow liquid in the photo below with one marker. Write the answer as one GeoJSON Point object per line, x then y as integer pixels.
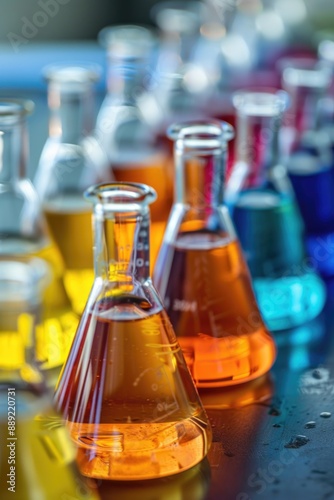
{"type": "Point", "coordinates": [42, 458]}
{"type": "Point", "coordinates": [58, 322]}
{"type": "Point", "coordinates": [70, 222]}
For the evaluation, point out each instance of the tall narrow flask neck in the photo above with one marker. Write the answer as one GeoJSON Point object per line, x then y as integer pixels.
{"type": "Point", "coordinates": [200, 162]}
{"type": "Point", "coordinates": [306, 84]}
{"type": "Point", "coordinates": [13, 139]}
{"type": "Point", "coordinates": [129, 49]}
{"type": "Point", "coordinates": [126, 79]}
{"type": "Point", "coordinates": [71, 102]}
{"type": "Point", "coordinates": [121, 230]}
{"type": "Point", "coordinates": [258, 123]}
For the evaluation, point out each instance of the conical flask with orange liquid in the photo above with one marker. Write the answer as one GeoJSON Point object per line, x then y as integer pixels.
{"type": "Point", "coordinates": [126, 133]}
{"type": "Point", "coordinates": [201, 273]}
{"type": "Point", "coordinates": [125, 391]}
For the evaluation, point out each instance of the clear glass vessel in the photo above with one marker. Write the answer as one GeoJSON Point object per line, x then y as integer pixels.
{"type": "Point", "coordinates": [267, 218]}
{"type": "Point", "coordinates": [124, 131]}
{"type": "Point", "coordinates": [24, 233]}
{"type": "Point", "coordinates": [311, 160]}
{"type": "Point", "coordinates": [37, 458]}
{"type": "Point", "coordinates": [71, 161]}
{"type": "Point", "coordinates": [200, 272]}
{"type": "Point", "coordinates": [125, 391]}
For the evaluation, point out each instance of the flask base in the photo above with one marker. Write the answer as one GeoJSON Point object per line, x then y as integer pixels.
{"type": "Point", "coordinates": [137, 451]}
{"type": "Point", "coordinates": [289, 301]}
{"type": "Point", "coordinates": [230, 360]}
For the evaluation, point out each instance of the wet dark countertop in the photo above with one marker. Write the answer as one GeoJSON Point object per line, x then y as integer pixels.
{"type": "Point", "coordinates": [256, 454]}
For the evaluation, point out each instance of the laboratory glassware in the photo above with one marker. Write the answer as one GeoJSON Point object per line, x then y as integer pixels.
{"type": "Point", "coordinates": [126, 134]}
{"type": "Point", "coordinates": [266, 216]}
{"type": "Point", "coordinates": [201, 273]}
{"type": "Point", "coordinates": [125, 391]}
{"type": "Point", "coordinates": [23, 233]}
{"type": "Point", "coordinates": [71, 161]}
{"type": "Point", "coordinates": [37, 458]}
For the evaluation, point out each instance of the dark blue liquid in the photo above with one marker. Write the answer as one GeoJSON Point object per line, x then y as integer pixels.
{"type": "Point", "coordinates": [313, 184]}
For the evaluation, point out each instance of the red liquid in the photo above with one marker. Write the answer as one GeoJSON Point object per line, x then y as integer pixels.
{"type": "Point", "coordinates": [207, 292]}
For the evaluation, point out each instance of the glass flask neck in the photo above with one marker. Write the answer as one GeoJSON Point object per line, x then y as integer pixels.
{"type": "Point", "coordinates": [71, 102]}
{"type": "Point", "coordinates": [13, 140]}
{"type": "Point", "coordinates": [121, 229]}
{"type": "Point", "coordinates": [258, 124]}
{"type": "Point", "coordinates": [200, 153]}
{"type": "Point", "coordinates": [129, 49]}
{"type": "Point", "coordinates": [306, 84]}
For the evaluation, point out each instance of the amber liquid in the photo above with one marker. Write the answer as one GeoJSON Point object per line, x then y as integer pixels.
{"type": "Point", "coordinates": [70, 222]}
{"type": "Point", "coordinates": [55, 332]}
{"type": "Point", "coordinates": [207, 292]}
{"type": "Point", "coordinates": [128, 397]}
{"type": "Point", "coordinates": [43, 457]}
{"type": "Point", "coordinates": [155, 171]}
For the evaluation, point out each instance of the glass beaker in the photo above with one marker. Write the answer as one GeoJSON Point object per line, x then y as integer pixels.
{"type": "Point", "coordinates": [311, 161]}
{"type": "Point", "coordinates": [200, 272]}
{"type": "Point", "coordinates": [267, 218]}
{"type": "Point", "coordinates": [37, 458]}
{"type": "Point", "coordinates": [23, 233]}
{"type": "Point", "coordinates": [71, 161]}
{"type": "Point", "coordinates": [135, 154]}
{"type": "Point", "coordinates": [125, 391]}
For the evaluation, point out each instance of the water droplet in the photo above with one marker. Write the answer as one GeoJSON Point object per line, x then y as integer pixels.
{"type": "Point", "coordinates": [274, 412]}
{"type": "Point", "coordinates": [310, 425]}
{"type": "Point", "coordinates": [317, 374]}
{"type": "Point", "coordinates": [297, 442]}
{"type": "Point", "coordinates": [325, 414]}
{"type": "Point", "coordinates": [228, 454]}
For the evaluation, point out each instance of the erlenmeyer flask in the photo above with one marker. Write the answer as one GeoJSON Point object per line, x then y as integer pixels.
{"type": "Point", "coordinates": [266, 216]}
{"type": "Point", "coordinates": [134, 153]}
{"type": "Point", "coordinates": [70, 162]}
{"type": "Point", "coordinates": [126, 393]}
{"type": "Point", "coordinates": [37, 458]}
{"type": "Point", "coordinates": [23, 233]}
{"type": "Point", "coordinates": [200, 271]}
{"type": "Point", "coordinates": [311, 161]}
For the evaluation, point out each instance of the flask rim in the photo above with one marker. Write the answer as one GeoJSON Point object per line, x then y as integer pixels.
{"type": "Point", "coordinates": [201, 134]}
{"type": "Point", "coordinates": [72, 74]}
{"type": "Point", "coordinates": [121, 196]}
{"type": "Point", "coordinates": [15, 108]}
{"type": "Point", "coordinates": [128, 40]}
{"type": "Point", "coordinates": [261, 103]}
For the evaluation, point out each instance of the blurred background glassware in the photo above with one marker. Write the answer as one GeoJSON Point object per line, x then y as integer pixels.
{"type": "Point", "coordinates": [311, 160]}
{"type": "Point", "coordinates": [200, 272]}
{"type": "Point", "coordinates": [134, 152]}
{"type": "Point", "coordinates": [125, 391]}
{"type": "Point", "coordinates": [70, 162]}
{"type": "Point", "coordinates": [267, 218]}
{"type": "Point", "coordinates": [24, 233]}
{"type": "Point", "coordinates": [37, 458]}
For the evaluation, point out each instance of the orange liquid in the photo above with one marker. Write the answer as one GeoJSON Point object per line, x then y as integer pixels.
{"type": "Point", "coordinates": [207, 292]}
{"type": "Point", "coordinates": [155, 171]}
{"type": "Point", "coordinates": [128, 397]}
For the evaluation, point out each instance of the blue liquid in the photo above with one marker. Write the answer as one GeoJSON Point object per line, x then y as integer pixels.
{"type": "Point", "coordinates": [270, 230]}
{"type": "Point", "coordinates": [314, 189]}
